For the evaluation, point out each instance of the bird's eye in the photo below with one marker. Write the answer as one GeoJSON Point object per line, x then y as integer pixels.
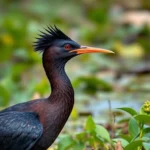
{"type": "Point", "coordinates": [67, 46]}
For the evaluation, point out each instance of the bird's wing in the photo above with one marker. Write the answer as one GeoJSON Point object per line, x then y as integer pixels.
{"type": "Point", "coordinates": [19, 130]}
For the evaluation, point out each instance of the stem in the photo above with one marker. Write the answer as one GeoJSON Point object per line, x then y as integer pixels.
{"type": "Point", "coordinates": [141, 129]}
{"type": "Point", "coordinates": [141, 133]}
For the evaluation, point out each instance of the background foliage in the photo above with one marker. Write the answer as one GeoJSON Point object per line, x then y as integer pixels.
{"type": "Point", "coordinates": [101, 83]}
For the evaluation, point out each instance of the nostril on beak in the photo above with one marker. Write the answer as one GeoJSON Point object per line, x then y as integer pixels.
{"type": "Point", "coordinates": [83, 47]}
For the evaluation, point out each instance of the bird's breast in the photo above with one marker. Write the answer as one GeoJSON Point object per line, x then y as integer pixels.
{"type": "Point", "coordinates": [53, 117]}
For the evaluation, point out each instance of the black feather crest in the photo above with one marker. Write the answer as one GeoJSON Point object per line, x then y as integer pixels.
{"type": "Point", "coordinates": [45, 39]}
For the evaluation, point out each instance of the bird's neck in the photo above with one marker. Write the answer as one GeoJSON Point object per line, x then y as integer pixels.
{"type": "Point", "coordinates": [60, 84]}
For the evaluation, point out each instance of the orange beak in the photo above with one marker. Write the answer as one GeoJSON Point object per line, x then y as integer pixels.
{"type": "Point", "coordinates": [85, 49]}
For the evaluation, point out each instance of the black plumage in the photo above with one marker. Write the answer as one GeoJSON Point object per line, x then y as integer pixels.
{"type": "Point", "coordinates": [46, 38]}
{"type": "Point", "coordinates": [19, 130]}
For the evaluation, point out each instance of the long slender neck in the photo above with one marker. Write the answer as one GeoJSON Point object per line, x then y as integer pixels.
{"type": "Point", "coordinates": [60, 84]}
{"type": "Point", "coordinates": [55, 110]}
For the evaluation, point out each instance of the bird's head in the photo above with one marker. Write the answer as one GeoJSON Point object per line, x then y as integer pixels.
{"type": "Point", "coordinates": [59, 46]}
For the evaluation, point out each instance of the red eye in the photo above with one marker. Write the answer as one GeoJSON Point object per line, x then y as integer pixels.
{"type": "Point", "coordinates": [67, 46]}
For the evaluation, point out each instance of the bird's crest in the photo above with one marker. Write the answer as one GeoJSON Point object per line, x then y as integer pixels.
{"type": "Point", "coordinates": [45, 39]}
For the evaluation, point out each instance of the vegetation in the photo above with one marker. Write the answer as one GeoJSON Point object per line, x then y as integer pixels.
{"type": "Point", "coordinates": [95, 136]}
{"type": "Point", "coordinates": [101, 83]}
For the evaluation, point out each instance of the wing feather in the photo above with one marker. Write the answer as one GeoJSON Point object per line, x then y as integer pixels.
{"type": "Point", "coordinates": [19, 130]}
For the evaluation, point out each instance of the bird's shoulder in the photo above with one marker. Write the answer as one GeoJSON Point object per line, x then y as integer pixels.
{"type": "Point", "coordinates": [22, 107]}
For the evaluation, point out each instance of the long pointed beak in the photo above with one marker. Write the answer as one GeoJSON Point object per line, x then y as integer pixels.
{"type": "Point", "coordinates": [85, 49]}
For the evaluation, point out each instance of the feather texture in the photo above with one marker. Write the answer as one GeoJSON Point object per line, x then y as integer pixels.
{"type": "Point", "coordinates": [45, 39]}
{"type": "Point", "coordinates": [19, 130]}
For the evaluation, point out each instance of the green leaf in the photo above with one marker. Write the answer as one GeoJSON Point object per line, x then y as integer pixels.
{"type": "Point", "coordinates": [91, 141]}
{"type": "Point", "coordinates": [142, 118]}
{"type": "Point", "coordinates": [146, 139]}
{"type": "Point", "coordinates": [129, 110]}
{"type": "Point", "coordinates": [146, 146]}
{"type": "Point", "coordinates": [102, 132]}
{"type": "Point", "coordinates": [65, 142]}
{"type": "Point", "coordinates": [133, 127]}
{"type": "Point", "coordinates": [146, 130]}
{"type": "Point", "coordinates": [125, 137]}
{"type": "Point", "coordinates": [133, 145]}
{"type": "Point", "coordinates": [4, 96]}
{"type": "Point", "coordinates": [124, 142]}
{"type": "Point", "coordinates": [90, 124]}
{"type": "Point", "coordinates": [81, 136]}
{"type": "Point", "coordinates": [90, 84]}
{"type": "Point", "coordinates": [78, 146]}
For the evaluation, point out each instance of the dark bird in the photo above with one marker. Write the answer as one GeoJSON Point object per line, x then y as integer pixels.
{"type": "Point", "coordinates": [35, 125]}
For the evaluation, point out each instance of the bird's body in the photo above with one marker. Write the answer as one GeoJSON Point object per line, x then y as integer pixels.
{"type": "Point", "coordinates": [35, 125]}
{"type": "Point", "coordinates": [53, 111]}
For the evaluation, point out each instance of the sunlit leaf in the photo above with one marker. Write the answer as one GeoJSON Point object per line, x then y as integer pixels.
{"type": "Point", "coordinates": [133, 127]}
{"type": "Point", "coordinates": [129, 110]}
{"type": "Point", "coordinates": [74, 113]}
{"type": "Point", "coordinates": [65, 142]}
{"type": "Point", "coordinates": [90, 124]}
{"type": "Point", "coordinates": [132, 50]}
{"type": "Point", "coordinates": [102, 132]}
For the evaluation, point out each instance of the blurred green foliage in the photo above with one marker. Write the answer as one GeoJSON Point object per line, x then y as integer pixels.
{"type": "Point", "coordinates": [93, 23]}
{"type": "Point", "coordinates": [95, 136]}
{"type": "Point", "coordinates": [100, 23]}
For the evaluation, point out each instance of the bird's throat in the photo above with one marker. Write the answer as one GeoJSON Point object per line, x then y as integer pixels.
{"type": "Point", "coordinates": [60, 84]}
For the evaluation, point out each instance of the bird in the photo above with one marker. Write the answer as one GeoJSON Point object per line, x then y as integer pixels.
{"type": "Point", "coordinates": [34, 125]}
